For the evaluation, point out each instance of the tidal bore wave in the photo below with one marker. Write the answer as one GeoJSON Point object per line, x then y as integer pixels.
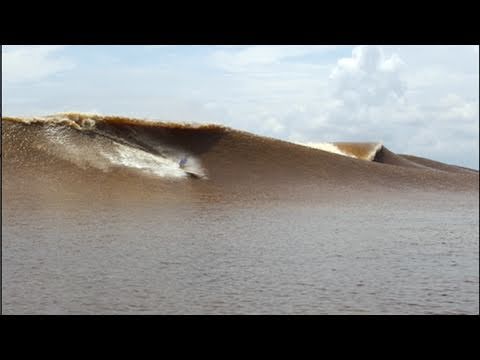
{"type": "Point", "coordinates": [88, 149]}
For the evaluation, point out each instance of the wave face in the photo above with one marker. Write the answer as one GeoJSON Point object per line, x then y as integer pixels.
{"type": "Point", "coordinates": [81, 151]}
{"type": "Point", "coordinates": [101, 143]}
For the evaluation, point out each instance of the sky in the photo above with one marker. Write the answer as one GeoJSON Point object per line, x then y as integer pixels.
{"type": "Point", "coordinates": [419, 100]}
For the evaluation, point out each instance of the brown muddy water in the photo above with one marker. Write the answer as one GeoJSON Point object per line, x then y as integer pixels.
{"type": "Point", "coordinates": [391, 256]}
{"type": "Point", "coordinates": [98, 217]}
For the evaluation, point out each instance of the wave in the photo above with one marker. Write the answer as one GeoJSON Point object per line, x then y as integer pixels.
{"type": "Point", "coordinates": [106, 143]}
{"type": "Point", "coordinates": [80, 146]}
{"type": "Point", "coordinates": [378, 153]}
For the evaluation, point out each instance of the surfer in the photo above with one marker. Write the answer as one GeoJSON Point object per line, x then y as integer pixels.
{"type": "Point", "coordinates": [183, 162]}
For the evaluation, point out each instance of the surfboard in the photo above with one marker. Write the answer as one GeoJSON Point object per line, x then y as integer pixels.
{"type": "Point", "coordinates": [193, 175]}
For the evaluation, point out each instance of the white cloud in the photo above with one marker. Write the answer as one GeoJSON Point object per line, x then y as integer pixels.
{"type": "Point", "coordinates": [242, 58]}
{"type": "Point", "coordinates": [367, 77]}
{"type": "Point", "coordinates": [455, 108]}
{"type": "Point", "coordinates": [31, 63]}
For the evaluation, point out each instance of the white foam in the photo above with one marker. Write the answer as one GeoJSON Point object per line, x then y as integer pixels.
{"type": "Point", "coordinates": [329, 147]}
{"type": "Point", "coordinates": [332, 148]}
{"type": "Point", "coordinates": [133, 158]}
{"type": "Point", "coordinates": [106, 154]}
{"type": "Point", "coordinates": [374, 151]}
{"type": "Point", "coordinates": [68, 146]}
{"type": "Point", "coordinates": [73, 120]}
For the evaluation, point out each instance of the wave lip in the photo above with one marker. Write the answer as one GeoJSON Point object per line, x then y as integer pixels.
{"type": "Point", "coordinates": [326, 146]}
{"type": "Point", "coordinates": [361, 151]}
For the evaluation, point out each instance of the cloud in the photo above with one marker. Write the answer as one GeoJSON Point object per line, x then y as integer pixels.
{"type": "Point", "coordinates": [32, 63]}
{"type": "Point", "coordinates": [242, 58]}
{"type": "Point", "coordinates": [455, 108]}
{"type": "Point", "coordinates": [367, 78]}
{"type": "Point", "coordinates": [372, 100]}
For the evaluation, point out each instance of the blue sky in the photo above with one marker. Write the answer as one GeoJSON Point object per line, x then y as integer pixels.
{"type": "Point", "coordinates": [421, 100]}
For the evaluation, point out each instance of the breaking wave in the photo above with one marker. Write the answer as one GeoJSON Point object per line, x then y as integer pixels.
{"type": "Point", "coordinates": [87, 141]}
{"type": "Point", "coordinates": [362, 151]}
{"type": "Point", "coordinates": [84, 149]}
